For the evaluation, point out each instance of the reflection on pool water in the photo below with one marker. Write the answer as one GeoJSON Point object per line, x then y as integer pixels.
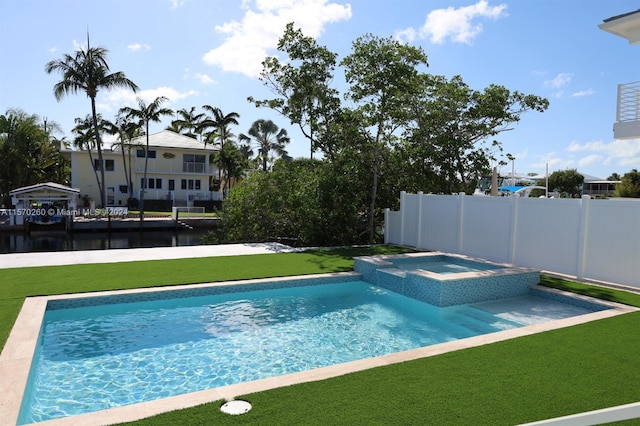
{"type": "Point", "coordinates": [98, 353]}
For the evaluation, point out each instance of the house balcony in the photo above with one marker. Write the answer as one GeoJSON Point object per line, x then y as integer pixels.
{"type": "Point", "coordinates": [174, 167]}
{"type": "Point", "coordinates": [627, 125]}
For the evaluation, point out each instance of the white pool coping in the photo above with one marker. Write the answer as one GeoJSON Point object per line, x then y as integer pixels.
{"type": "Point", "coordinates": [18, 352]}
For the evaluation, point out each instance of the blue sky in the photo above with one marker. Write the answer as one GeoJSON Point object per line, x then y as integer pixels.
{"type": "Point", "coordinates": [198, 52]}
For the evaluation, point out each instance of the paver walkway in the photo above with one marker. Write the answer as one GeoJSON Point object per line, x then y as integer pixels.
{"type": "Point", "coordinates": [22, 260]}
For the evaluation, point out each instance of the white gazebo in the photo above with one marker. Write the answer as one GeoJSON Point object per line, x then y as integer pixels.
{"type": "Point", "coordinates": [30, 200]}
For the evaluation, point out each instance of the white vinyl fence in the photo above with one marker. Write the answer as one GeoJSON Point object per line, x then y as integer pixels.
{"type": "Point", "coordinates": [585, 238]}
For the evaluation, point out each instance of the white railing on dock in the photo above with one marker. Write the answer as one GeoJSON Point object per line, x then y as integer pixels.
{"type": "Point", "coordinates": [187, 212]}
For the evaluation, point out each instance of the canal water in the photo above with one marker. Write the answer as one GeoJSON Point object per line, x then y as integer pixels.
{"type": "Point", "coordinates": [60, 241]}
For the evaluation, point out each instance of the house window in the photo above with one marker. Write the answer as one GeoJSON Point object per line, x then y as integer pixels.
{"type": "Point", "coordinates": [190, 184]}
{"type": "Point", "coordinates": [140, 153]}
{"type": "Point", "coordinates": [109, 165]}
{"type": "Point", "coordinates": [123, 189]}
{"type": "Point", "coordinates": [172, 184]}
{"type": "Point", "coordinates": [152, 183]}
{"type": "Point", "coordinates": [193, 163]}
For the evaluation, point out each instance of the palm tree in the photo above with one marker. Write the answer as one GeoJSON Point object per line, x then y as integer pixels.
{"type": "Point", "coordinates": [88, 71]}
{"type": "Point", "coordinates": [220, 124]}
{"type": "Point", "coordinates": [145, 114]}
{"type": "Point", "coordinates": [84, 140]}
{"type": "Point", "coordinates": [267, 138]}
{"type": "Point", "coordinates": [189, 121]}
{"type": "Point", "coordinates": [126, 131]}
{"type": "Point", "coordinates": [235, 161]}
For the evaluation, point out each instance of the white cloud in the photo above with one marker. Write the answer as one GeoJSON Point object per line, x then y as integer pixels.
{"type": "Point", "coordinates": [177, 3]}
{"type": "Point", "coordinates": [621, 153]}
{"type": "Point", "coordinates": [559, 81]}
{"type": "Point", "coordinates": [116, 99]}
{"type": "Point", "coordinates": [553, 162]}
{"type": "Point", "coordinates": [582, 93]}
{"type": "Point", "coordinates": [137, 46]}
{"type": "Point", "coordinates": [248, 41]}
{"type": "Point", "coordinates": [204, 79]}
{"type": "Point", "coordinates": [459, 25]}
{"type": "Point", "coordinates": [590, 160]}
{"type": "Point", "coordinates": [406, 35]}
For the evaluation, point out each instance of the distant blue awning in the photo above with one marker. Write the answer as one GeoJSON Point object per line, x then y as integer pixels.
{"type": "Point", "coordinates": [510, 188]}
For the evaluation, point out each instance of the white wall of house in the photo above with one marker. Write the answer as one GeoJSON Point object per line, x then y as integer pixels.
{"type": "Point", "coordinates": [167, 178]}
{"type": "Point", "coordinates": [585, 238]}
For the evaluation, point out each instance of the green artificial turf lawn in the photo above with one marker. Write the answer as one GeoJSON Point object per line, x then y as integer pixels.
{"type": "Point", "coordinates": [576, 369]}
{"type": "Point", "coordinates": [598, 292]}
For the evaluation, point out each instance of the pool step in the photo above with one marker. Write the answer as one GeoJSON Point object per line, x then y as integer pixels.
{"type": "Point", "coordinates": [479, 321]}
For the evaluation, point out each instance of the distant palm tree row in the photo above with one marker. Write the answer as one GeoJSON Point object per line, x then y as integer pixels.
{"type": "Point", "coordinates": [88, 71]}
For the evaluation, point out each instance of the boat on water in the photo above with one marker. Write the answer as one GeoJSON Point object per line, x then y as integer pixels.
{"type": "Point", "coordinates": [510, 185]}
{"type": "Point", "coordinates": [45, 217]}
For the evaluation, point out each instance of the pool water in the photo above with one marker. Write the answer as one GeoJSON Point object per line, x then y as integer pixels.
{"type": "Point", "coordinates": [99, 357]}
{"type": "Point", "coordinates": [447, 266]}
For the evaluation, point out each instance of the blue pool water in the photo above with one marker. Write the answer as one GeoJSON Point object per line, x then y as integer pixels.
{"type": "Point", "coordinates": [98, 357]}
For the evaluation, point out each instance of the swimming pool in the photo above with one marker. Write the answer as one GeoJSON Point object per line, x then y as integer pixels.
{"type": "Point", "coordinates": [142, 346]}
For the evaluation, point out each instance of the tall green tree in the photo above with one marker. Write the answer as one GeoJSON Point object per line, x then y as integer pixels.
{"type": "Point", "coordinates": [629, 186]}
{"type": "Point", "coordinates": [84, 139]}
{"type": "Point", "coordinates": [233, 160]}
{"type": "Point", "coordinates": [567, 182]}
{"type": "Point", "coordinates": [88, 71]}
{"type": "Point", "coordinates": [188, 122]}
{"type": "Point", "coordinates": [221, 134]}
{"type": "Point", "coordinates": [449, 140]}
{"type": "Point", "coordinates": [29, 153]}
{"type": "Point", "coordinates": [145, 114]}
{"type": "Point", "coordinates": [267, 137]}
{"type": "Point", "coordinates": [614, 177]}
{"type": "Point", "coordinates": [383, 74]}
{"type": "Point", "coordinates": [126, 131]}
{"type": "Point", "coordinates": [302, 86]}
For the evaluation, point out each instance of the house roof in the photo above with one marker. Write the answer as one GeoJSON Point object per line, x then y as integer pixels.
{"type": "Point", "coordinates": [587, 178]}
{"type": "Point", "coordinates": [44, 187]}
{"type": "Point", "coordinates": [171, 139]}
{"type": "Point", "coordinates": [626, 25]}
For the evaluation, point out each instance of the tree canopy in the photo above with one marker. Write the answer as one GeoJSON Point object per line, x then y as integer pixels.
{"type": "Point", "coordinates": [629, 186]}
{"type": "Point", "coordinates": [568, 182]}
{"type": "Point", "coordinates": [398, 128]}
{"type": "Point", "coordinates": [30, 153]}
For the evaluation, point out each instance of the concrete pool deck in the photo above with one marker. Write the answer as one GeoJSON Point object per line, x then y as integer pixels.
{"type": "Point", "coordinates": [16, 357]}
{"type": "Point", "coordinates": [25, 260]}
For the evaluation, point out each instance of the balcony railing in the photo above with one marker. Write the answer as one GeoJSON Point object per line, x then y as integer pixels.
{"type": "Point", "coordinates": [628, 102]}
{"type": "Point", "coordinates": [193, 167]}
{"type": "Point", "coordinates": [627, 125]}
{"type": "Point", "coordinates": [173, 167]}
